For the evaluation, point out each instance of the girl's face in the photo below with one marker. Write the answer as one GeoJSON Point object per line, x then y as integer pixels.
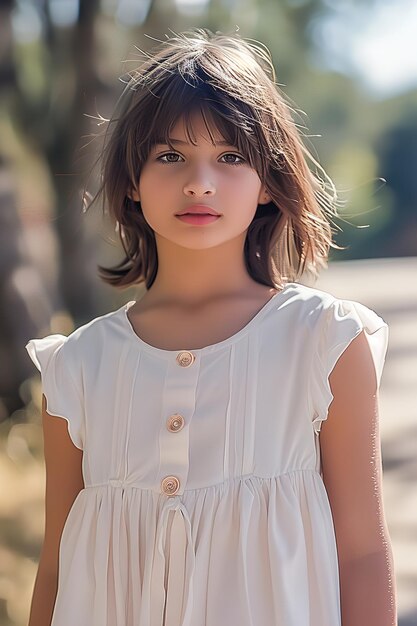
{"type": "Point", "coordinates": [217, 176]}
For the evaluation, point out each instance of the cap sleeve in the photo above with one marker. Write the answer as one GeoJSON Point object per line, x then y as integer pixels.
{"type": "Point", "coordinates": [344, 320]}
{"type": "Point", "coordinates": [54, 359]}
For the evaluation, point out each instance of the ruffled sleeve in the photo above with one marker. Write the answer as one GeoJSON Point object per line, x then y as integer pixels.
{"type": "Point", "coordinates": [61, 385]}
{"type": "Point", "coordinates": [343, 321]}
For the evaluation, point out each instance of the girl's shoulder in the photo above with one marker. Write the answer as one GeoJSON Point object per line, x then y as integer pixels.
{"type": "Point", "coordinates": [86, 339]}
{"type": "Point", "coordinates": [328, 319]}
{"type": "Point", "coordinates": [309, 306]}
{"type": "Point", "coordinates": [322, 306]}
{"type": "Point", "coordinates": [64, 361]}
{"type": "Point", "coordinates": [334, 323]}
{"type": "Point", "coordinates": [99, 326]}
{"type": "Point", "coordinates": [309, 297]}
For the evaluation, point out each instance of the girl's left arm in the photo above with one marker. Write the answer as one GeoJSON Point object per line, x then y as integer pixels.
{"type": "Point", "coordinates": [352, 472]}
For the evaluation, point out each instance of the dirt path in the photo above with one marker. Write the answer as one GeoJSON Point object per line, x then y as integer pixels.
{"type": "Point", "coordinates": [389, 287]}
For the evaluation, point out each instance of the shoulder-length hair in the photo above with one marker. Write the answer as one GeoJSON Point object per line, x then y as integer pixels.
{"type": "Point", "coordinates": [232, 82]}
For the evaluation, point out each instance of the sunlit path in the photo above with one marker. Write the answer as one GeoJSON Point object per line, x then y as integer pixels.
{"type": "Point", "coordinates": [389, 286]}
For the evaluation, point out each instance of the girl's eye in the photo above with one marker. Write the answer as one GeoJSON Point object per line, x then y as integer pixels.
{"type": "Point", "coordinates": [174, 157]}
{"type": "Point", "coordinates": [236, 156]}
{"type": "Point", "coordinates": [168, 154]}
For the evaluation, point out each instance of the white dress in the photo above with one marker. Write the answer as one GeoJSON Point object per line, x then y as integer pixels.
{"type": "Point", "coordinates": [204, 503]}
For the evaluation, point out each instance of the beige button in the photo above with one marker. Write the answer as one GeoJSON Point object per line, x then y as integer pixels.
{"type": "Point", "coordinates": [175, 423]}
{"type": "Point", "coordinates": [185, 359]}
{"type": "Point", "coordinates": [170, 485]}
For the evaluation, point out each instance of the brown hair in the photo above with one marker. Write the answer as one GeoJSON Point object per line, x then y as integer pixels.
{"type": "Point", "coordinates": [233, 82]}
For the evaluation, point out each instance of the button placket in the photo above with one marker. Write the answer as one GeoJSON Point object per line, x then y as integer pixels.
{"type": "Point", "coordinates": [178, 407]}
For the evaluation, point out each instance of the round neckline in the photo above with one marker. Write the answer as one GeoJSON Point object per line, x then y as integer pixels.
{"type": "Point", "coordinates": [209, 348]}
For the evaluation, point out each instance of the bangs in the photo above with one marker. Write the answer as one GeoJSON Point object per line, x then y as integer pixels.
{"type": "Point", "coordinates": [176, 99]}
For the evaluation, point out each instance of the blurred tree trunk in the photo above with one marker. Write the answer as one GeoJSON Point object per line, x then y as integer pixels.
{"type": "Point", "coordinates": [72, 55]}
{"type": "Point", "coordinates": [54, 127]}
{"type": "Point", "coordinates": [15, 321]}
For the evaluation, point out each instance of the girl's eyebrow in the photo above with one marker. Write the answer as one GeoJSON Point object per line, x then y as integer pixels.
{"type": "Point", "coordinates": [161, 142]}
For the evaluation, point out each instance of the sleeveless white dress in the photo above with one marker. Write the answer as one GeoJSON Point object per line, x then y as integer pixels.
{"type": "Point", "coordinates": [204, 503]}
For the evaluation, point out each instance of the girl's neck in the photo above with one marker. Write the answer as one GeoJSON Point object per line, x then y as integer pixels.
{"type": "Point", "coordinates": [194, 277]}
{"type": "Point", "coordinates": [188, 299]}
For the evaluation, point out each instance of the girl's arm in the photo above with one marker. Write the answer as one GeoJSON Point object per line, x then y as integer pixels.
{"type": "Point", "coordinates": [352, 472]}
{"type": "Point", "coordinates": [63, 482]}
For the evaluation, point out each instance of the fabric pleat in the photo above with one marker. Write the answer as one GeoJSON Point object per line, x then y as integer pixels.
{"type": "Point", "coordinates": [246, 569]}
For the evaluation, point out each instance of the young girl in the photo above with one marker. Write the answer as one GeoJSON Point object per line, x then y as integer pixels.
{"type": "Point", "coordinates": [222, 463]}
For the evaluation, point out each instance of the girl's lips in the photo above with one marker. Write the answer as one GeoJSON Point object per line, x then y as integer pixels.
{"type": "Point", "coordinates": [198, 218]}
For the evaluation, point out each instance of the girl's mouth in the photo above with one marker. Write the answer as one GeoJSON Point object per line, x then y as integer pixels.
{"type": "Point", "coordinates": [198, 219]}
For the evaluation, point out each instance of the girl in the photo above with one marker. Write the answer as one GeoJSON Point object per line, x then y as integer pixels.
{"type": "Point", "coordinates": [222, 460]}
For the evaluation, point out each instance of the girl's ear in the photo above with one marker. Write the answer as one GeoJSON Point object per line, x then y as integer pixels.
{"type": "Point", "coordinates": [133, 194]}
{"type": "Point", "coordinates": [264, 197]}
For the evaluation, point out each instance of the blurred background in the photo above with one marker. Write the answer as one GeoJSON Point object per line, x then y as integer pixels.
{"type": "Point", "coordinates": [350, 68]}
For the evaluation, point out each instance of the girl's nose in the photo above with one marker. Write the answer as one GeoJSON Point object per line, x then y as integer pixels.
{"type": "Point", "coordinates": [199, 185]}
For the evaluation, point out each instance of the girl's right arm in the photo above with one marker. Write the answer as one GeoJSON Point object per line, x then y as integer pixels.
{"type": "Point", "coordinates": [64, 480]}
